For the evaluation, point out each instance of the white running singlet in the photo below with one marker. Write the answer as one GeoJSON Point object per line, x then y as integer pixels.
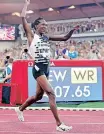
{"type": "Point", "coordinates": [40, 49]}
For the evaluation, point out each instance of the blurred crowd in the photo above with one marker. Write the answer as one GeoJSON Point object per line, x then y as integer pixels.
{"type": "Point", "coordinates": [15, 52]}
{"type": "Point", "coordinates": [61, 50]}
{"type": "Point", "coordinates": [80, 50]}
{"type": "Point", "coordinates": [88, 26]}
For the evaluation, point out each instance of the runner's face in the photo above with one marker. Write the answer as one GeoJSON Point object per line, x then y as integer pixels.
{"type": "Point", "coordinates": [42, 27]}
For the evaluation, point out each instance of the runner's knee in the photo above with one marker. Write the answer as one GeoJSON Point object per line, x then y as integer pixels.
{"type": "Point", "coordinates": [51, 94]}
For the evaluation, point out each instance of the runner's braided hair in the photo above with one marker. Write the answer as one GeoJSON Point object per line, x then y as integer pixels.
{"type": "Point", "coordinates": [36, 22]}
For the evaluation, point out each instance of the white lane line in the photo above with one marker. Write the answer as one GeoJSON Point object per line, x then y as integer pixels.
{"type": "Point", "coordinates": [59, 108]}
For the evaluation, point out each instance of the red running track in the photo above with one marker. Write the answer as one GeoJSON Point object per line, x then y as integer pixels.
{"type": "Point", "coordinates": [42, 122]}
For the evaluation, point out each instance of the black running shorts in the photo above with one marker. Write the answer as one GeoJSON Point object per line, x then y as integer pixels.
{"type": "Point", "coordinates": [40, 69]}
